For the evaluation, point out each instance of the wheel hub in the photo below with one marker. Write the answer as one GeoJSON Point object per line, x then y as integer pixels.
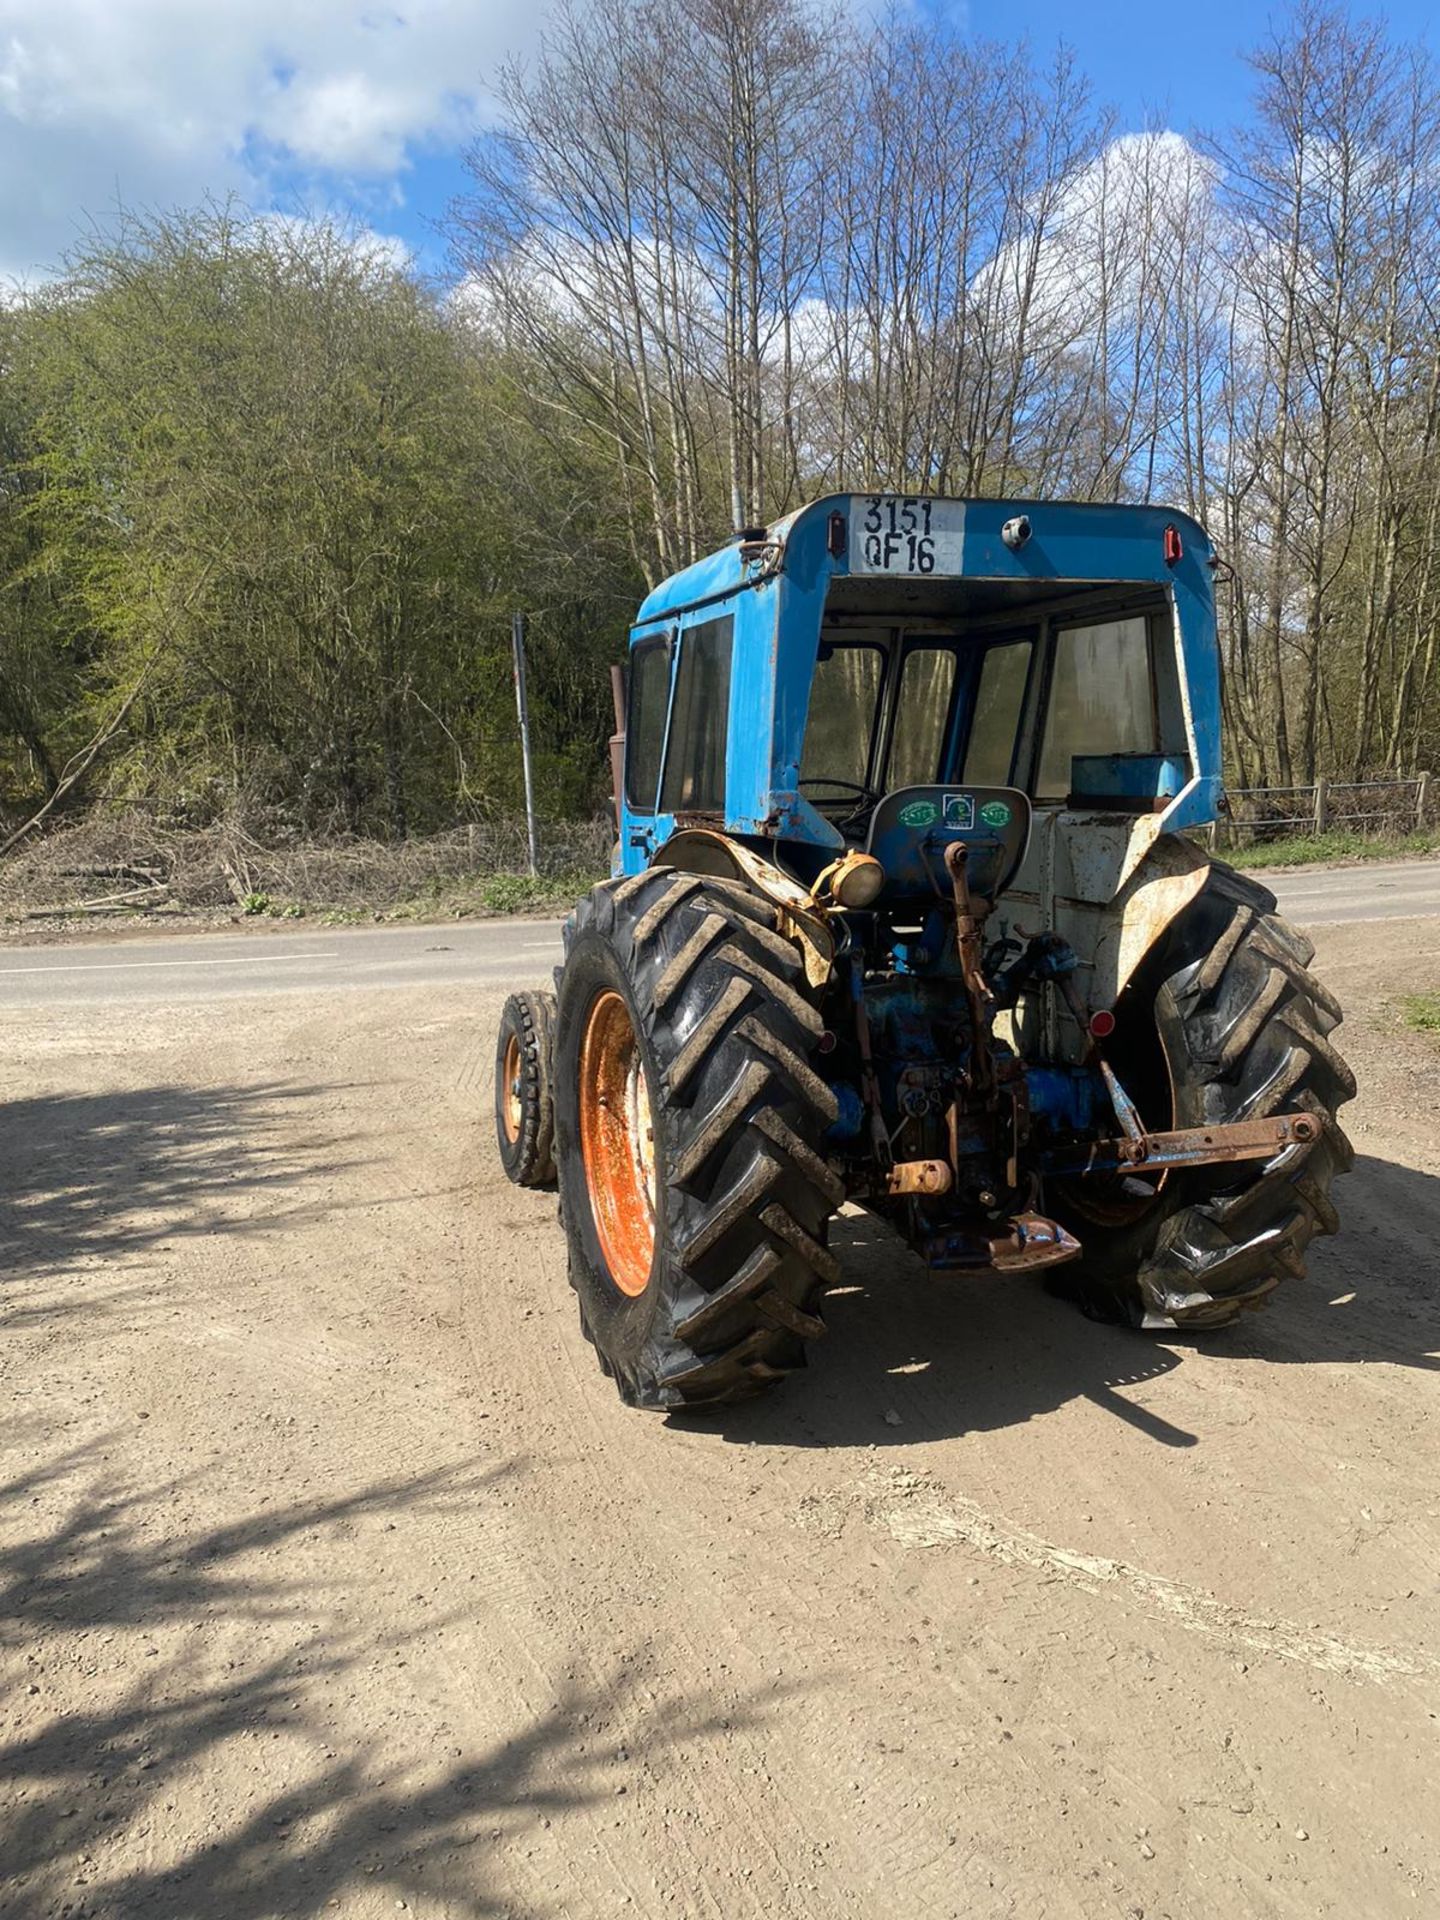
{"type": "Point", "coordinates": [617, 1142]}
{"type": "Point", "coordinates": [513, 1087]}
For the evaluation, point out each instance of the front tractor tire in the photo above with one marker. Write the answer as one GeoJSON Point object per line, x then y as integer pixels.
{"type": "Point", "coordinates": [689, 1129]}
{"type": "Point", "coordinates": [1243, 1032]}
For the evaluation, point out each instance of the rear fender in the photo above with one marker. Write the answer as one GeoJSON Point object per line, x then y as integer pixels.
{"type": "Point", "coordinates": [1157, 891]}
{"type": "Point", "coordinates": [801, 918]}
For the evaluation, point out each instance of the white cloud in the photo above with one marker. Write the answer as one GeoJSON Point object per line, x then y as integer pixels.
{"type": "Point", "coordinates": [161, 102]}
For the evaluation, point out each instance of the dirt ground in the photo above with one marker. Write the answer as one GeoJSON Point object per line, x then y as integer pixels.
{"type": "Point", "coordinates": [336, 1579]}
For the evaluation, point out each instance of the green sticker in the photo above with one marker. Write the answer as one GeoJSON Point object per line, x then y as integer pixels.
{"type": "Point", "coordinates": [995, 813]}
{"type": "Point", "coordinates": [919, 813]}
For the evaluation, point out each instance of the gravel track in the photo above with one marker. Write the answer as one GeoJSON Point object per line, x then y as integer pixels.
{"type": "Point", "coordinates": [336, 1579]}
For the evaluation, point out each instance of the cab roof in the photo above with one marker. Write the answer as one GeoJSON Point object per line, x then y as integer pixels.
{"type": "Point", "coordinates": [743, 563]}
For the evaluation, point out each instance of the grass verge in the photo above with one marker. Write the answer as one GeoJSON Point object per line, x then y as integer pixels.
{"type": "Point", "coordinates": [1421, 1012]}
{"type": "Point", "coordinates": [1318, 849]}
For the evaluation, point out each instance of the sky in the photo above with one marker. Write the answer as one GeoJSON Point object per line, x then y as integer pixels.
{"type": "Point", "coordinates": [329, 106]}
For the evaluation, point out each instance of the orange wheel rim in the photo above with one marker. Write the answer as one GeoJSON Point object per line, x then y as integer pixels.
{"type": "Point", "coordinates": [512, 1089]}
{"type": "Point", "coordinates": [617, 1143]}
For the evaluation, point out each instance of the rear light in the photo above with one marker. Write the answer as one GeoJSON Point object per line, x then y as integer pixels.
{"type": "Point", "coordinates": [1174, 551]}
{"type": "Point", "coordinates": [1102, 1025]}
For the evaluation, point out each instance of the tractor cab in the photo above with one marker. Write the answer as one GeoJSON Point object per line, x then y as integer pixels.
{"type": "Point", "coordinates": [871, 644]}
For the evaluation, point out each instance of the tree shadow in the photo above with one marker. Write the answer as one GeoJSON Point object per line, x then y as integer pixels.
{"type": "Point", "coordinates": [357, 1822]}
{"type": "Point", "coordinates": [952, 1354]}
{"type": "Point", "coordinates": [89, 1178]}
{"type": "Point", "coordinates": [100, 1568]}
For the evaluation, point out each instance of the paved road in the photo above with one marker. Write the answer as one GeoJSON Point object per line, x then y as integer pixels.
{"type": "Point", "coordinates": [1339, 896]}
{"type": "Point", "coordinates": [501, 952]}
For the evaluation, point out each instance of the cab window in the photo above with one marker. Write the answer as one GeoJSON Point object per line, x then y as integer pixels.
{"type": "Point", "coordinates": [922, 717]}
{"type": "Point", "coordinates": [995, 722]}
{"type": "Point", "coordinates": [1101, 698]}
{"type": "Point", "coordinates": [699, 726]}
{"type": "Point", "coordinates": [645, 720]}
{"type": "Point", "coordinates": [844, 697]}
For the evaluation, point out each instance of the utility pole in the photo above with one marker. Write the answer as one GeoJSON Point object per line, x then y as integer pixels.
{"type": "Point", "coordinates": [517, 640]}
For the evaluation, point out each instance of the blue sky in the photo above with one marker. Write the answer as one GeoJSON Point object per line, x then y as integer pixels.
{"type": "Point", "coordinates": [1147, 61]}
{"type": "Point", "coordinates": [364, 106]}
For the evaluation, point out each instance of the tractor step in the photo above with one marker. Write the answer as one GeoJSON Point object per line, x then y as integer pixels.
{"type": "Point", "coordinates": [1032, 1242]}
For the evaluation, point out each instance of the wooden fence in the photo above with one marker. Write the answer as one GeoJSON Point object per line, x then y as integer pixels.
{"type": "Point", "coordinates": [1360, 806]}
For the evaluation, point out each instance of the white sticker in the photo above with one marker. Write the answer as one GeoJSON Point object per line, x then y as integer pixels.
{"type": "Point", "coordinates": [892, 534]}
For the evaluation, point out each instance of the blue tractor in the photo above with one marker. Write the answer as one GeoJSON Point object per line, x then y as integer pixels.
{"type": "Point", "coordinates": [906, 912]}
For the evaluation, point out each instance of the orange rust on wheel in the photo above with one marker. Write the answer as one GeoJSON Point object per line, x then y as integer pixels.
{"type": "Point", "coordinates": [617, 1144]}
{"type": "Point", "coordinates": [512, 1084]}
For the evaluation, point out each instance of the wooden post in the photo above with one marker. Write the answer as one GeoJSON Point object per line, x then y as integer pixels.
{"type": "Point", "coordinates": [617, 739]}
{"type": "Point", "coordinates": [1422, 800]}
{"type": "Point", "coordinates": [1322, 792]}
{"type": "Point", "coordinates": [517, 639]}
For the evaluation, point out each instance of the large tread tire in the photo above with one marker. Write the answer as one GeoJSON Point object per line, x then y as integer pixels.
{"type": "Point", "coordinates": [527, 1023]}
{"type": "Point", "coordinates": [1245, 1030]}
{"type": "Point", "coordinates": [726, 1026]}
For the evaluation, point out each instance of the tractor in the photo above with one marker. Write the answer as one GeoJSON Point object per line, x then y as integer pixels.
{"type": "Point", "coordinates": [909, 912]}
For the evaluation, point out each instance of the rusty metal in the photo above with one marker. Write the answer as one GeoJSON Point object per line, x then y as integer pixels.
{"type": "Point", "coordinates": [919, 1177]}
{"type": "Point", "coordinates": [1188, 1146]}
{"type": "Point", "coordinates": [1126, 1112]}
{"type": "Point", "coordinates": [970, 913]}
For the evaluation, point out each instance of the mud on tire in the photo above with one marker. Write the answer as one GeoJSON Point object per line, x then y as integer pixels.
{"type": "Point", "coordinates": [725, 1025]}
{"type": "Point", "coordinates": [1244, 1028]}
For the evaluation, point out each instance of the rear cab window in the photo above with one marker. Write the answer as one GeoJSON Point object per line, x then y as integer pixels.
{"type": "Point", "coordinates": [1101, 698]}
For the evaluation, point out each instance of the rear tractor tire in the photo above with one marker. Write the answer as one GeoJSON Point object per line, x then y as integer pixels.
{"type": "Point", "coordinates": [689, 1128]}
{"type": "Point", "coordinates": [1243, 1032]}
{"type": "Point", "coordinates": [524, 1108]}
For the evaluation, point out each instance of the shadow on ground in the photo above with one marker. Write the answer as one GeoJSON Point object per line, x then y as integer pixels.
{"type": "Point", "coordinates": [319, 1821]}
{"type": "Point", "coordinates": [953, 1354]}
{"type": "Point", "coordinates": [86, 1178]}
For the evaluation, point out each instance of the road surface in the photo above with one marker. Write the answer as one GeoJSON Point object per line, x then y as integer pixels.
{"type": "Point", "coordinates": [500, 952]}
{"type": "Point", "coordinates": [335, 1579]}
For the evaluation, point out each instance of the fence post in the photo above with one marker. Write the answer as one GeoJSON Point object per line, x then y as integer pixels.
{"type": "Point", "coordinates": [1422, 797]}
{"type": "Point", "coordinates": [1322, 791]}
{"type": "Point", "coordinates": [517, 642]}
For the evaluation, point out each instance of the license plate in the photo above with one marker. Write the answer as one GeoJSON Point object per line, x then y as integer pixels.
{"type": "Point", "coordinates": [892, 534]}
